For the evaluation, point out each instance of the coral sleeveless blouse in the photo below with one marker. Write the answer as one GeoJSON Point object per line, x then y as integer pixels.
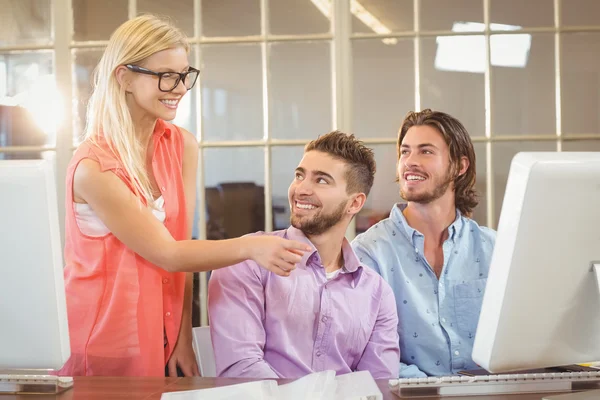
{"type": "Point", "coordinates": [124, 312]}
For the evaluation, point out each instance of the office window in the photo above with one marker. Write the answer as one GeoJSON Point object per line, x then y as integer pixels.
{"type": "Point", "coordinates": [25, 22]}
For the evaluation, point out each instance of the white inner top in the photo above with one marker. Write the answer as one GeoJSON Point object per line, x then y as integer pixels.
{"type": "Point", "coordinates": [91, 225]}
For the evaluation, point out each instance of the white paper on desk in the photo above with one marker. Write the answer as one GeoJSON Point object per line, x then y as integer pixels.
{"type": "Point", "coordinates": [357, 386]}
{"type": "Point", "coordinates": [316, 386]}
{"type": "Point", "coordinates": [260, 390]}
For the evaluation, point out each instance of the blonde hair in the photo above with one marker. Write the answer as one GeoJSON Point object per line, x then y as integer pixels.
{"type": "Point", "coordinates": [107, 113]}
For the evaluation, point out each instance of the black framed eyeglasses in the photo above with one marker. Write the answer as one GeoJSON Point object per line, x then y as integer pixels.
{"type": "Point", "coordinates": [167, 81]}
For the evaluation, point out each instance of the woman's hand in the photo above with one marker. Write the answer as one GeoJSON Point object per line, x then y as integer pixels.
{"type": "Point", "coordinates": [183, 356]}
{"type": "Point", "coordinates": [276, 254]}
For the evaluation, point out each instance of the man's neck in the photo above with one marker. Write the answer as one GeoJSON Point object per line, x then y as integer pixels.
{"type": "Point", "coordinates": [432, 219]}
{"type": "Point", "coordinates": [329, 245]}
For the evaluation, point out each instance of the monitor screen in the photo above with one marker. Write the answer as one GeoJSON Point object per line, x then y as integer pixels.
{"type": "Point", "coordinates": [34, 333]}
{"type": "Point", "coordinates": [541, 307]}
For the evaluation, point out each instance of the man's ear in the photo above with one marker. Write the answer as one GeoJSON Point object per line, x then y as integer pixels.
{"type": "Point", "coordinates": [464, 165]}
{"type": "Point", "coordinates": [122, 75]}
{"type": "Point", "coordinates": [356, 204]}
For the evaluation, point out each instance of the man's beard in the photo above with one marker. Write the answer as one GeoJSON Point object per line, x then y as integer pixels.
{"type": "Point", "coordinates": [428, 196]}
{"type": "Point", "coordinates": [319, 223]}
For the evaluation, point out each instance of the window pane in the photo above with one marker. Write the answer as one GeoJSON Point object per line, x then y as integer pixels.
{"type": "Point", "coordinates": [300, 90]}
{"type": "Point", "coordinates": [232, 107]}
{"type": "Point", "coordinates": [180, 12]}
{"type": "Point", "coordinates": [297, 17]}
{"type": "Point", "coordinates": [234, 183]}
{"type": "Point", "coordinates": [502, 155]}
{"type": "Point", "coordinates": [230, 17]}
{"type": "Point", "coordinates": [284, 160]}
{"type": "Point", "coordinates": [445, 15]}
{"type": "Point", "coordinates": [452, 78]}
{"type": "Point", "coordinates": [581, 145]}
{"type": "Point", "coordinates": [28, 155]}
{"type": "Point", "coordinates": [580, 12]}
{"type": "Point", "coordinates": [96, 20]}
{"type": "Point", "coordinates": [385, 191]}
{"type": "Point", "coordinates": [523, 89]}
{"type": "Point", "coordinates": [480, 212]}
{"type": "Point", "coordinates": [515, 14]}
{"type": "Point", "coordinates": [580, 86]}
{"type": "Point", "coordinates": [25, 21]}
{"type": "Point", "coordinates": [384, 82]}
{"type": "Point", "coordinates": [31, 107]}
{"type": "Point", "coordinates": [84, 62]}
{"type": "Point", "coordinates": [382, 16]}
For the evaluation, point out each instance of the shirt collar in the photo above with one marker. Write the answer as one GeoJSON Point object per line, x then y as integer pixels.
{"type": "Point", "coordinates": [351, 263]}
{"type": "Point", "coordinates": [398, 217]}
{"type": "Point", "coordinates": [161, 128]}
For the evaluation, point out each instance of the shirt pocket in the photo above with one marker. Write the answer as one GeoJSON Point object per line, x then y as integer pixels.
{"type": "Point", "coordinates": [467, 304]}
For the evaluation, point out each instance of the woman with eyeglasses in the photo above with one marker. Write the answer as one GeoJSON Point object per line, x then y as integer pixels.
{"type": "Point", "coordinates": [131, 191]}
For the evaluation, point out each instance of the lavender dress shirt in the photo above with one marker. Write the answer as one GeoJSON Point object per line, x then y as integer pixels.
{"type": "Point", "coordinates": [266, 326]}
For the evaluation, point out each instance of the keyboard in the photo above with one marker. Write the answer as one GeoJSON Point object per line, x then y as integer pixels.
{"type": "Point", "coordinates": [494, 384]}
{"type": "Point", "coordinates": [13, 383]}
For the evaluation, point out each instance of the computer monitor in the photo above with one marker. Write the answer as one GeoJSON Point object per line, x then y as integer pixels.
{"type": "Point", "coordinates": [33, 313]}
{"type": "Point", "coordinates": [541, 306]}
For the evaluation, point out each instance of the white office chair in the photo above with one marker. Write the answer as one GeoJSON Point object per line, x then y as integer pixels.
{"type": "Point", "coordinates": [205, 355]}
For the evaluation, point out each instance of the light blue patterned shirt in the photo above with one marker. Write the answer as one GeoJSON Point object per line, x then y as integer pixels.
{"type": "Point", "coordinates": [437, 318]}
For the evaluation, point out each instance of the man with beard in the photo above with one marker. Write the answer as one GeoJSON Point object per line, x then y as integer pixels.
{"type": "Point", "coordinates": [434, 256]}
{"type": "Point", "coordinates": [332, 312]}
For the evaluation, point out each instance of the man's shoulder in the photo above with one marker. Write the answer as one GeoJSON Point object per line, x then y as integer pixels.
{"type": "Point", "coordinates": [375, 281]}
{"type": "Point", "coordinates": [370, 275]}
{"type": "Point", "coordinates": [380, 230]}
{"type": "Point", "coordinates": [248, 266]}
{"type": "Point", "coordinates": [477, 232]}
{"type": "Point", "coordinates": [279, 233]}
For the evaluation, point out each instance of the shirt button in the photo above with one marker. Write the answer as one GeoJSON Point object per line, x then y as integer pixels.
{"type": "Point", "coordinates": [443, 319]}
{"type": "Point", "coordinates": [163, 188]}
{"type": "Point", "coordinates": [324, 319]}
{"type": "Point", "coordinates": [168, 314]}
{"type": "Point", "coordinates": [165, 280]}
{"type": "Point", "coordinates": [456, 353]}
{"type": "Point", "coordinates": [318, 354]}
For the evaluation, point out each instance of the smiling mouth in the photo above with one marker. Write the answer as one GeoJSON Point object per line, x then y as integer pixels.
{"type": "Point", "coordinates": [170, 103]}
{"type": "Point", "coordinates": [409, 177]}
{"type": "Point", "coordinates": [304, 206]}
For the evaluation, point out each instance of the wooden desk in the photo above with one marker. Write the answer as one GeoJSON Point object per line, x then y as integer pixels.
{"type": "Point", "coordinates": [101, 388]}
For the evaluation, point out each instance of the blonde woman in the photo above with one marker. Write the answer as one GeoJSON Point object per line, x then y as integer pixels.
{"type": "Point", "coordinates": [130, 203]}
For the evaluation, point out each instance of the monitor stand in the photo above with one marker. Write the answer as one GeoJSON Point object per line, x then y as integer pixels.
{"type": "Point", "coordinates": [39, 381]}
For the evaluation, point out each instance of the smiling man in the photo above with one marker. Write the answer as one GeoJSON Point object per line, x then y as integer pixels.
{"type": "Point", "coordinates": [332, 312]}
{"type": "Point", "coordinates": [432, 254]}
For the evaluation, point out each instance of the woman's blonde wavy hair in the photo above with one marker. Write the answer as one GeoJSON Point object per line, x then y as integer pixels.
{"type": "Point", "coordinates": [107, 112]}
